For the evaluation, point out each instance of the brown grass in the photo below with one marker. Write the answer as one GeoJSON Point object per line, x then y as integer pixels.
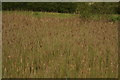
{"type": "Point", "coordinates": [49, 47]}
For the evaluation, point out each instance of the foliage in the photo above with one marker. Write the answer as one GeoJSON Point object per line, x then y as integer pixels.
{"type": "Point", "coordinates": [67, 7]}
{"type": "Point", "coordinates": [84, 9]}
{"type": "Point", "coordinates": [104, 8]}
{"type": "Point", "coordinates": [114, 18]}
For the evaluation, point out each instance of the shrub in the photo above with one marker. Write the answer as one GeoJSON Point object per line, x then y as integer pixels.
{"type": "Point", "coordinates": [115, 18]}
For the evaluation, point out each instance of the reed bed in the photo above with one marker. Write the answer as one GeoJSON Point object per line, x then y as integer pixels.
{"type": "Point", "coordinates": [53, 47]}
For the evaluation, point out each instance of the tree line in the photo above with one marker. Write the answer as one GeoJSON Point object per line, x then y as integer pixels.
{"type": "Point", "coordinates": [65, 7]}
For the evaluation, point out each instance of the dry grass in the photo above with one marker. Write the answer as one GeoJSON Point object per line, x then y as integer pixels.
{"type": "Point", "coordinates": [47, 47]}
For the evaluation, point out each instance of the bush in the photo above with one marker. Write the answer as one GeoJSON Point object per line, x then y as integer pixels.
{"type": "Point", "coordinates": [62, 7]}
{"type": "Point", "coordinates": [115, 18]}
{"type": "Point", "coordinates": [84, 10]}
{"type": "Point", "coordinates": [105, 8]}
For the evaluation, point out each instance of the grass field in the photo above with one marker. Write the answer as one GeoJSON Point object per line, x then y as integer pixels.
{"type": "Point", "coordinates": [58, 46]}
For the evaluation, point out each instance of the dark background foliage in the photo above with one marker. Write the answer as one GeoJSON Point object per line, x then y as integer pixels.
{"type": "Point", "coordinates": [65, 7]}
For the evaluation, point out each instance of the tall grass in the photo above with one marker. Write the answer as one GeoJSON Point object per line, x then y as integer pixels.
{"type": "Point", "coordinates": [53, 47]}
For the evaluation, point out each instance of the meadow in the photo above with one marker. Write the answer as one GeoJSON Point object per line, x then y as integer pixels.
{"type": "Point", "coordinates": [58, 45]}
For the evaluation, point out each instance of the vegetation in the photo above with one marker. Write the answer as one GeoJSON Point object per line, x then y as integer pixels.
{"type": "Point", "coordinates": [44, 7]}
{"type": "Point", "coordinates": [60, 40]}
{"type": "Point", "coordinates": [58, 47]}
{"type": "Point", "coordinates": [86, 10]}
{"type": "Point", "coordinates": [65, 7]}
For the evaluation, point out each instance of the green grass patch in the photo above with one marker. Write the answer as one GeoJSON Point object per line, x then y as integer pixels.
{"type": "Point", "coordinates": [109, 17]}
{"type": "Point", "coordinates": [44, 14]}
{"type": "Point", "coordinates": [51, 14]}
